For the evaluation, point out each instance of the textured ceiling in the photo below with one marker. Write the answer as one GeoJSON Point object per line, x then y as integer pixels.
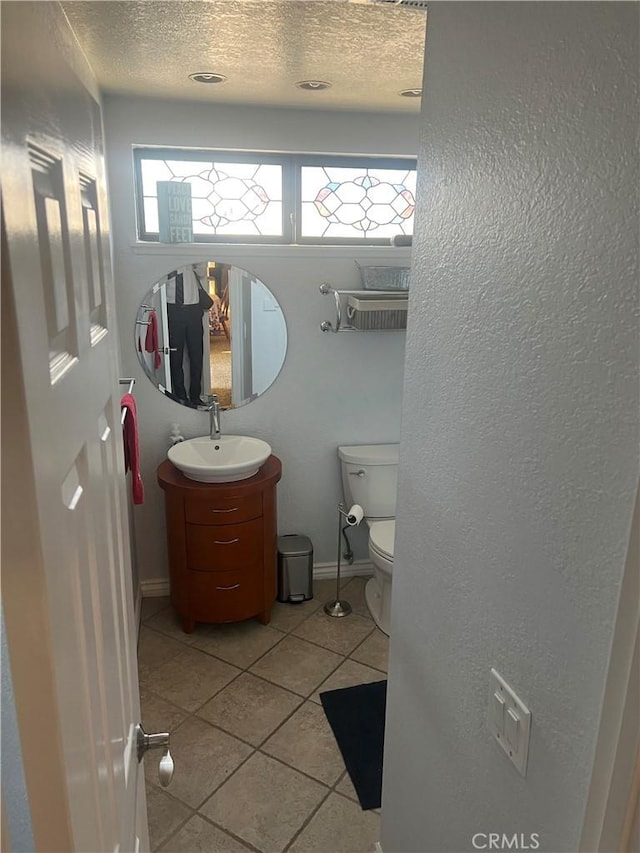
{"type": "Point", "coordinates": [369, 53]}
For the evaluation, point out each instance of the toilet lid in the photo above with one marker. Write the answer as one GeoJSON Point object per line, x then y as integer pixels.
{"type": "Point", "coordinates": [381, 535]}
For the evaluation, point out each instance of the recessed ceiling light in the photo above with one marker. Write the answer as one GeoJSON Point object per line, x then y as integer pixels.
{"type": "Point", "coordinates": [207, 77]}
{"type": "Point", "coordinates": [411, 93]}
{"type": "Point", "coordinates": [313, 85]}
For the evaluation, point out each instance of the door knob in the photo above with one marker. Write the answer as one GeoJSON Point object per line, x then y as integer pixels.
{"type": "Point", "coordinates": [158, 740]}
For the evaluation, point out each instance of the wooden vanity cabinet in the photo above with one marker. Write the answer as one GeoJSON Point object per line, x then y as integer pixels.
{"type": "Point", "coordinates": [222, 540]}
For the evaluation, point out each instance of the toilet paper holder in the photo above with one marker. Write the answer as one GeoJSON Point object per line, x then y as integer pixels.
{"type": "Point", "coordinates": [339, 607]}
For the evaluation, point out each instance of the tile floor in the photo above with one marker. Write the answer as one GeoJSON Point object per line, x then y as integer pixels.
{"type": "Point", "coordinates": [257, 766]}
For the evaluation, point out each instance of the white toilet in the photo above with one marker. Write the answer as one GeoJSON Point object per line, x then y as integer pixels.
{"type": "Point", "coordinates": [370, 478]}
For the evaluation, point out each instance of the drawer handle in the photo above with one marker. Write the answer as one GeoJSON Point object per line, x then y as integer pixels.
{"type": "Point", "coordinates": [225, 541]}
{"type": "Point", "coordinates": [233, 509]}
{"type": "Point", "coordinates": [235, 586]}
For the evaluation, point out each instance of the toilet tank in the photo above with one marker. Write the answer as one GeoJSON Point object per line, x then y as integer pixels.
{"type": "Point", "coordinates": [370, 478]}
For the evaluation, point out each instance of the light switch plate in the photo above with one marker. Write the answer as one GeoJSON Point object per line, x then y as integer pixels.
{"type": "Point", "coordinates": [512, 727]}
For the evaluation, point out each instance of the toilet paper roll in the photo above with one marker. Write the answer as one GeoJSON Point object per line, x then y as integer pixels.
{"type": "Point", "coordinates": [355, 515]}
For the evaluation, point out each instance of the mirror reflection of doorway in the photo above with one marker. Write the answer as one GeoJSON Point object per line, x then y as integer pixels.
{"type": "Point", "coordinates": [219, 333]}
{"type": "Point", "coordinates": [243, 336]}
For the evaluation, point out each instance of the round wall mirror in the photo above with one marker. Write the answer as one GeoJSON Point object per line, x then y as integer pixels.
{"type": "Point", "coordinates": [210, 328]}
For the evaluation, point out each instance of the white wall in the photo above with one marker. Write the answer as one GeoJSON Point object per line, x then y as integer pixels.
{"type": "Point", "coordinates": [333, 389]}
{"type": "Point", "coordinates": [519, 441]}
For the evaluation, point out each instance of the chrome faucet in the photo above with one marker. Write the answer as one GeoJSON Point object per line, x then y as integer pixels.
{"type": "Point", "coordinates": [214, 417]}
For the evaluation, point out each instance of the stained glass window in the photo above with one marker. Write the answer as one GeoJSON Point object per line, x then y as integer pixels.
{"type": "Point", "coordinates": [357, 202]}
{"type": "Point", "coordinates": [237, 199]}
{"type": "Point", "coordinates": [281, 198]}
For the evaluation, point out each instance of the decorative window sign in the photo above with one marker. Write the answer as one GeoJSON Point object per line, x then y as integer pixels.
{"type": "Point", "coordinates": [175, 217]}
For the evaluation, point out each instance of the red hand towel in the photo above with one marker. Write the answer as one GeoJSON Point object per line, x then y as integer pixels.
{"type": "Point", "coordinates": [131, 447]}
{"type": "Point", "coordinates": [151, 342]}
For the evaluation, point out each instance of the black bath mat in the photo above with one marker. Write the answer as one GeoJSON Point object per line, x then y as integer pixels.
{"type": "Point", "coordinates": [356, 715]}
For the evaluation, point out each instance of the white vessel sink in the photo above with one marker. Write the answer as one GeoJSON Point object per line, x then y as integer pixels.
{"type": "Point", "coordinates": [221, 460]}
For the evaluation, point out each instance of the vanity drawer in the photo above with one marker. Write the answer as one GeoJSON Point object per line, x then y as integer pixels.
{"type": "Point", "coordinates": [219, 548]}
{"type": "Point", "coordinates": [225, 596]}
{"type": "Point", "coordinates": [220, 509]}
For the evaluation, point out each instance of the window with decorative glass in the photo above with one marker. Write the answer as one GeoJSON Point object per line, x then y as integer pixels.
{"type": "Point", "coordinates": [264, 198]}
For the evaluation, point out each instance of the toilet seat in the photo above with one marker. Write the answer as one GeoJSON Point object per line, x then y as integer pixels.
{"type": "Point", "coordinates": [381, 539]}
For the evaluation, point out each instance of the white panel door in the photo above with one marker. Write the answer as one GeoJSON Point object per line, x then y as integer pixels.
{"type": "Point", "coordinates": [57, 241]}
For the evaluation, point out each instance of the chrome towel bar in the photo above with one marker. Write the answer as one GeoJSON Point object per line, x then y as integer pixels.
{"type": "Point", "coordinates": [130, 382]}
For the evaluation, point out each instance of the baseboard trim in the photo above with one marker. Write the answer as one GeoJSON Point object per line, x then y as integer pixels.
{"type": "Point", "coordinates": [159, 587]}
{"type": "Point", "coordinates": [322, 571]}
{"type": "Point", "coordinates": [154, 588]}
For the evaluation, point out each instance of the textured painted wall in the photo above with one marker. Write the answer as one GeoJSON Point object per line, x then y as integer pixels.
{"type": "Point", "coordinates": [333, 389]}
{"type": "Point", "coordinates": [519, 441]}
